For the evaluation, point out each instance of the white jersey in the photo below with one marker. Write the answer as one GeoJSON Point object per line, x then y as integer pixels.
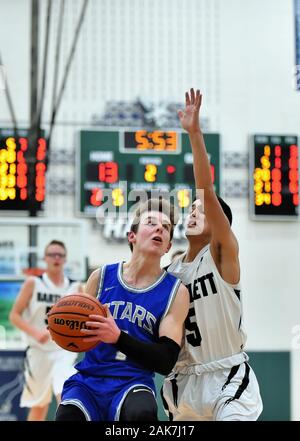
{"type": "Point", "coordinates": [45, 294]}
{"type": "Point", "coordinates": [214, 324]}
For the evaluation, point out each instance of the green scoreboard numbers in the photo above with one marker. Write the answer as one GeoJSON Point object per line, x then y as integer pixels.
{"type": "Point", "coordinates": [274, 177]}
{"type": "Point", "coordinates": [131, 160]}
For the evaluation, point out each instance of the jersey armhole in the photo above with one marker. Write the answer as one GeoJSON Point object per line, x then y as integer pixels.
{"type": "Point", "coordinates": [100, 281]}
{"type": "Point", "coordinates": [231, 285]}
{"type": "Point", "coordinates": [172, 297]}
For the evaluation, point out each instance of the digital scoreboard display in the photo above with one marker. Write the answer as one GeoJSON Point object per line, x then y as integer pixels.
{"type": "Point", "coordinates": [126, 161]}
{"type": "Point", "coordinates": [274, 177]}
{"type": "Point", "coordinates": [15, 171]}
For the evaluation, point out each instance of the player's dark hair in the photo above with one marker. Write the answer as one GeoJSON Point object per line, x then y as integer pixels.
{"type": "Point", "coordinates": [225, 207]}
{"type": "Point", "coordinates": [155, 204]}
{"type": "Point", "coordinates": [56, 242]}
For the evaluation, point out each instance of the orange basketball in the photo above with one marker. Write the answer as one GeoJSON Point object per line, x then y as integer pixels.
{"type": "Point", "coordinates": [68, 316]}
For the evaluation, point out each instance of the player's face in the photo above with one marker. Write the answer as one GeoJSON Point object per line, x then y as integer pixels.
{"type": "Point", "coordinates": [196, 222]}
{"type": "Point", "coordinates": [153, 233]}
{"type": "Point", "coordinates": [55, 257]}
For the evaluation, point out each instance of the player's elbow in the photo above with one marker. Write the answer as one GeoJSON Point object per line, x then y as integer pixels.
{"type": "Point", "coordinates": [168, 355]}
{"type": "Point", "coordinates": [166, 365]}
{"type": "Point", "coordinates": [11, 317]}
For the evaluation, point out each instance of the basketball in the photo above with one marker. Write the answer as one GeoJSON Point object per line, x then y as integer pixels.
{"type": "Point", "coordinates": [68, 316]}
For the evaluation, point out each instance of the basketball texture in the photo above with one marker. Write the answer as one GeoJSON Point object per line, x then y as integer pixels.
{"type": "Point", "coordinates": [68, 316]}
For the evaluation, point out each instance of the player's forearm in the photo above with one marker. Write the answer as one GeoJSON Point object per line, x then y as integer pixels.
{"type": "Point", "coordinates": [18, 321]}
{"type": "Point", "coordinates": [158, 357]}
{"type": "Point", "coordinates": [201, 165]}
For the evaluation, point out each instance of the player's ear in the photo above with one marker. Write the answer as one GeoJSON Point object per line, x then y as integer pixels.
{"type": "Point", "coordinates": [131, 236]}
{"type": "Point", "coordinates": [169, 247]}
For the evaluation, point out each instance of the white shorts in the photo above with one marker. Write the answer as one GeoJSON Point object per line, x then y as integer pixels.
{"type": "Point", "coordinates": [45, 372]}
{"type": "Point", "coordinates": [230, 394]}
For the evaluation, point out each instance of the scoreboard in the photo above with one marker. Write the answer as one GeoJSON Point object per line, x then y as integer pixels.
{"type": "Point", "coordinates": [130, 161]}
{"type": "Point", "coordinates": [15, 170]}
{"type": "Point", "coordinates": [274, 177]}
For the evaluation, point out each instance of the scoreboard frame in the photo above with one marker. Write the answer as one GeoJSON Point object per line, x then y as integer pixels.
{"type": "Point", "coordinates": [182, 149]}
{"type": "Point", "coordinates": [271, 152]}
{"type": "Point", "coordinates": [16, 170]}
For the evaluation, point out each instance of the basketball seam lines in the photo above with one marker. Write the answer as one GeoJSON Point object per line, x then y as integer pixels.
{"type": "Point", "coordinates": [66, 312]}
{"type": "Point", "coordinates": [72, 336]}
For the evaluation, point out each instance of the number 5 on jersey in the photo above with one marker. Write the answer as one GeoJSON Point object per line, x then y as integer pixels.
{"type": "Point", "coordinates": [194, 338]}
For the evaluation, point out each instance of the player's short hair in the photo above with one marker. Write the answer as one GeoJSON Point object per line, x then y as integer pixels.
{"type": "Point", "coordinates": [225, 207]}
{"type": "Point", "coordinates": [154, 204]}
{"type": "Point", "coordinates": [56, 242]}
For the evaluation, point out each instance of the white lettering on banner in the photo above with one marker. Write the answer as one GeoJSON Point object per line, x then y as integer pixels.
{"type": "Point", "coordinates": [117, 229]}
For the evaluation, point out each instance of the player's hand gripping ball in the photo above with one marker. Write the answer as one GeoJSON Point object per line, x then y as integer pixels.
{"type": "Point", "coordinates": [68, 316]}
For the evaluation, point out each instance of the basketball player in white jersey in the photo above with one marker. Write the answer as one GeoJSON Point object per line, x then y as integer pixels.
{"type": "Point", "coordinates": [46, 365]}
{"type": "Point", "coordinates": [211, 379]}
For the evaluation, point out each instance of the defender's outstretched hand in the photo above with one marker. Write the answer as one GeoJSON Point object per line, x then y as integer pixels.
{"type": "Point", "coordinates": [189, 118]}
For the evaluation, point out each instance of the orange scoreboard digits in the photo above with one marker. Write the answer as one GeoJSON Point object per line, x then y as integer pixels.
{"type": "Point", "coordinates": [151, 141]}
{"type": "Point", "coordinates": [274, 177]}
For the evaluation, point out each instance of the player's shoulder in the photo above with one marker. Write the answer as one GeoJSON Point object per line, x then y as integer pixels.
{"type": "Point", "coordinates": [28, 287]}
{"type": "Point", "coordinates": [181, 302]}
{"type": "Point", "coordinates": [96, 273]}
{"type": "Point", "coordinates": [182, 291]}
{"type": "Point", "coordinates": [31, 281]}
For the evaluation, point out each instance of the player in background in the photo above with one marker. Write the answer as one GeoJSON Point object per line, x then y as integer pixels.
{"type": "Point", "coordinates": [46, 364]}
{"type": "Point", "coordinates": [146, 308]}
{"type": "Point", "coordinates": [212, 379]}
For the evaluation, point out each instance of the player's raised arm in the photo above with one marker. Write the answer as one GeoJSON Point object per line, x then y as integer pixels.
{"type": "Point", "coordinates": [224, 245]}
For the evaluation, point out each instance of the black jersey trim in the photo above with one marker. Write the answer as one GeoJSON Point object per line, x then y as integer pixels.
{"type": "Point", "coordinates": [165, 404]}
{"type": "Point", "coordinates": [175, 390]}
{"type": "Point", "coordinates": [237, 293]}
{"type": "Point", "coordinates": [232, 373]}
{"type": "Point", "coordinates": [71, 280]}
{"type": "Point", "coordinates": [242, 387]}
{"type": "Point", "coordinates": [240, 322]}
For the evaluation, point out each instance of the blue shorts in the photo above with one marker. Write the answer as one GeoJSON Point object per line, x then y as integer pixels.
{"type": "Point", "coordinates": [101, 398]}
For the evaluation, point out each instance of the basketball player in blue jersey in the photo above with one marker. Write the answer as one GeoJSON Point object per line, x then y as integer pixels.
{"type": "Point", "coordinates": [146, 308]}
{"type": "Point", "coordinates": [47, 365]}
{"type": "Point", "coordinates": [211, 379]}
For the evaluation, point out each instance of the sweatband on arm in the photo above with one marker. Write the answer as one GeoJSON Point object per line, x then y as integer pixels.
{"type": "Point", "coordinates": [158, 357]}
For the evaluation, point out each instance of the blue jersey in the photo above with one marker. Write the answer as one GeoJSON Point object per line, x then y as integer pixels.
{"type": "Point", "coordinates": [137, 312]}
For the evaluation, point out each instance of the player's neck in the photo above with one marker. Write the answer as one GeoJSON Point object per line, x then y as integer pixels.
{"type": "Point", "coordinates": [141, 271]}
{"type": "Point", "coordinates": [56, 277]}
{"type": "Point", "coordinates": [195, 246]}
